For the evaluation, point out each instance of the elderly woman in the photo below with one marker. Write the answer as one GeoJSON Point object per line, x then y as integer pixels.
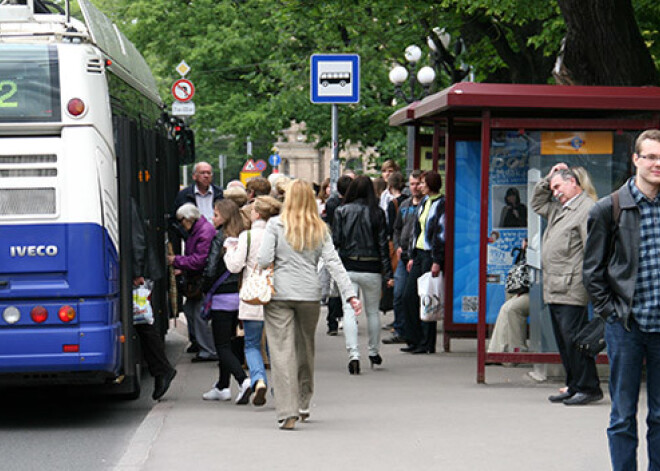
{"type": "Point", "coordinates": [191, 264]}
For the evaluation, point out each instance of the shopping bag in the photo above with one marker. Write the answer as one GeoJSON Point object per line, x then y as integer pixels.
{"type": "Point", "coordinates": [142, 312]}
{"type": "Point", "coordinates": [431, 297]}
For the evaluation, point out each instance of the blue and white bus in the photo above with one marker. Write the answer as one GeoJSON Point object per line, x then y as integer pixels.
{"type": "Point", "coordinates": [82, 132]}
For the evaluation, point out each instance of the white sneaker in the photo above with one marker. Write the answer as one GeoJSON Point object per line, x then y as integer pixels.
{"type": "Point", "coordinates": [244, 391]}
{"type": "Point", "coordinates": [216, 394]}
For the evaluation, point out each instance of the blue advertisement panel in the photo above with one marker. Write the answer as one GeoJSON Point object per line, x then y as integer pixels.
{"type": "Point", "coordinates": [466, 232]}
{"type": "Point", "coordinates": [507, 221]}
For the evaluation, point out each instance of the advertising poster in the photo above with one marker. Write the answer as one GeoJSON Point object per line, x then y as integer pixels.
{"type": "Point", "coordinates": [507, 212]}
{"type": "Point", "coordinates": [507, 221]}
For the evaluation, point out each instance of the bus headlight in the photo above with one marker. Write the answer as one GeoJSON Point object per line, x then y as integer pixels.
{"type": "Point", "coordinates": [11, 315]}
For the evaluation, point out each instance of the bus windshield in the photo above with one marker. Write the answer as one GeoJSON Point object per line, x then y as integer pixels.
{"type": "Point", "coordinates": [29, 83]}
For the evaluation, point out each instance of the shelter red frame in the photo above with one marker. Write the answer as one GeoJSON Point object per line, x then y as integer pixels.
{"type": "Point", "coordinates": [471, 111]}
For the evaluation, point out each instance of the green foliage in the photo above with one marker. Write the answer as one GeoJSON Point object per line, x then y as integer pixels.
{"type": "Point", "coordinates": [250, 58]}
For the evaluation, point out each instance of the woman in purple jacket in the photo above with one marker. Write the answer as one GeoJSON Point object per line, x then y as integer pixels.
{"type": "Point", "coordinates": [191, 264]}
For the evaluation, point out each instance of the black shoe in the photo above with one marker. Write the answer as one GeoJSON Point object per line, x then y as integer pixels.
{"type": "Point", "coordinates": [420, 350]}
{"type": "Point", "coordinates": [561, 397]}
{"type": "Point", "coordinates": [408, 349]}
{"type": "Point", "coordinates": [354, 367]}
{"type": "Point", "coordinates": [332, 332]}
{"type": "Point", "coordinates": [194, 348]}
{"type": "Point", "coordinates": [375, 360]}
{"type": "Point", "coordinates": [394, 339]}
{"type": "Point", "coordinates": [162, 384]}
{"type": "Point", "coordinates": [582, 399]}
{"type": "Point", "coordinates": [199, 359]}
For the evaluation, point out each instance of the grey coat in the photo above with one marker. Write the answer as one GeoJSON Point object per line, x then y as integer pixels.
{"type": "Point", "coordinates": [295, 276]}
{"type": "Point", "coordinates": [563, 245]}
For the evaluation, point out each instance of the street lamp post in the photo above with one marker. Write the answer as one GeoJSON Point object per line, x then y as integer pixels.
{"type": "Point", "coordinates": [425, 77]}
{"type": "Point", "coordinates": [441, 59]}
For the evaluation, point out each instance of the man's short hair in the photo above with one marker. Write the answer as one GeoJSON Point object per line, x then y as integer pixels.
{"type": "Point", "coordinates": [260, 186]}
{"type": "Point", "coordinates": [343, 184]}
{"type": "Point", "coordinates": [390, 164]}
{"type": "Point", "coordinates": [651, 134]}
{"type": "Point", "coordinates": [396, 181]}
{"type": "Point", "coordinates": [416, 174]}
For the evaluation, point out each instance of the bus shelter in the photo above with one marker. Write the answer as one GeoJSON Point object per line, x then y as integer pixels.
{"type": "Point", "coordinates": [495, 142]}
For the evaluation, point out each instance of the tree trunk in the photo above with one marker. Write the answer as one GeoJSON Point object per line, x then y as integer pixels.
{"type": "Point", "coordinates": [604, 45]}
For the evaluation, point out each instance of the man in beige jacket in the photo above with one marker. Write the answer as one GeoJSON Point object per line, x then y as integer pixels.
{"type": "Point", "coordinates": [559, 198]}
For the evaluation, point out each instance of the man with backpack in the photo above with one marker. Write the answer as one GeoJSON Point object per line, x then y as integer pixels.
{"type": "Point", "coordinates": [622, 276]}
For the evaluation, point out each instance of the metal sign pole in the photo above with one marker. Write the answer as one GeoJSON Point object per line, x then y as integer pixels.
{"type": "Point", "coordinates": [334, 164]}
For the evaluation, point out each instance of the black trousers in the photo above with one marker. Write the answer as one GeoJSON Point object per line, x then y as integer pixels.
{"type": "Point", "coordinates": [335, 312]}
{"type": "Point", "coordinates": [581, 374]}
{"type": "Point", "coordinates": [153, 349]}
{"type": "Point", "coordinates": [223, 325]}
{"type": "Point", "coordinates": [418, 333]}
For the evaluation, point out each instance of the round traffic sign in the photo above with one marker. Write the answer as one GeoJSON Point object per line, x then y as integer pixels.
{"type": "Point", "coordinates": [183, 90]}
{"type": "Point", "coordinates": [260, 165]}
{"type": "Point", "coordinates": [274, 160]}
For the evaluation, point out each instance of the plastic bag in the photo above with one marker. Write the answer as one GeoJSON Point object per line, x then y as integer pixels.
{"type": "Point", "coordinates": [142, 312]}
{"type": "Point", "coordinates": [431, 297]}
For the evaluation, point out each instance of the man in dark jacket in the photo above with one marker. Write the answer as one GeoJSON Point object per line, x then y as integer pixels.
{"type": "Point", "coordinates": [404, 225]}
{"type": "Point", "coordinates": [335, 308]}
{"type": "Point", "coordinates": [153, 349]}
{"type": "Point", "coordinates": [622, 276]}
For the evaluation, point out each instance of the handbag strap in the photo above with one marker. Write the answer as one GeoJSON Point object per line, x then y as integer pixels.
{"type": "Point", "coordinates": [221, 279]}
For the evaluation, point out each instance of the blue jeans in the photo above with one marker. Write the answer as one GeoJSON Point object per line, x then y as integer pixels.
{"type": "Point", "coordinates": [400, 277]}
{"type": "Point", "coordinates": [255, 362]}
{"type": "Point", "coordinates": [627, 351]}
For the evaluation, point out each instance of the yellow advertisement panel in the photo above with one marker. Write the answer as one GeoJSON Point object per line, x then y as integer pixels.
{"type": "Point", "coordinates": [245, 176]}
{"type": "Point", "coordinates": [568, 143]}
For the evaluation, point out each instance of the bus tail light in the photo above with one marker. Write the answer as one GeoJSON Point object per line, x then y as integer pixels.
{"type": "Point", "coordinates": [72, 348]}
{"type": "Point", "coordinates": [75, 107]}
{"type": "Point", "coordinates": [39, 314]}
{"type": "Point", "coordinates": [11, 315]}
{"type": "Point", "coordinates": [66, 313]}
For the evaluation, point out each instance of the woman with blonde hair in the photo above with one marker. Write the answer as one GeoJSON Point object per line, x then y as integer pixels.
{"type": "Point", "coordinates": [294, 243]}
{"type": "Point", "coordinates": [584, 180]}
{"type": "Point", "coordinates": [223, 286]}
{"type": "Point", "coordinates": [241, 257]}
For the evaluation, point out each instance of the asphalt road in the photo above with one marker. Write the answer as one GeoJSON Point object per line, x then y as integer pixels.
{"type": "Point", "coordinates": [72, 428]}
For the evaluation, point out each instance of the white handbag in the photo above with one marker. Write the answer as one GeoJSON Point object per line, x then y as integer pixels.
{"type": "Point", "coordinates": [257, 288]}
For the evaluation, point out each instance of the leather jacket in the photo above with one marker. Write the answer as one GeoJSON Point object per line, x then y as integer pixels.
{"type": "Point", "coordinates": [356, 239]}
{"type": "Point", "coordinates": [215, 267]}
{"type": "Point", "coordinates": [611, 257]}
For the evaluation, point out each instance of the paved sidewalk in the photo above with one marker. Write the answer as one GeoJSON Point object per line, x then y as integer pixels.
{"type": "Point", "coordinates": [415, 412]}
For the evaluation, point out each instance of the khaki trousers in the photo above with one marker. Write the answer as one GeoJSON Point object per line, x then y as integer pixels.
{"type": "Point", "coordinates": [290, 328]}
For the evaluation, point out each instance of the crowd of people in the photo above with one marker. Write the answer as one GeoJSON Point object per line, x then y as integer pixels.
{"type": "Point", "coordinates": [348, 249]}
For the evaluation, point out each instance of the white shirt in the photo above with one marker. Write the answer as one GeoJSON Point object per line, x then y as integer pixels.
{"type": "Point", "coordinates": [205, 203]}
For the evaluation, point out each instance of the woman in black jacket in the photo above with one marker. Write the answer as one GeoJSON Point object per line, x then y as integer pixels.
{"type": "Point", "coordinates": [224, 303]}
{"type": "Point", "coordinates": [359, 232]}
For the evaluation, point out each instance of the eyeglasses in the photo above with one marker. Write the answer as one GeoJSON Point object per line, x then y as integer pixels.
{"type": "Point", "coordinates": [650, 157]}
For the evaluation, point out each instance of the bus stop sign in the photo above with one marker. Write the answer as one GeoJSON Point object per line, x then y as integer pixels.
{"type": "Point", "coordinates": [335, 78]}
